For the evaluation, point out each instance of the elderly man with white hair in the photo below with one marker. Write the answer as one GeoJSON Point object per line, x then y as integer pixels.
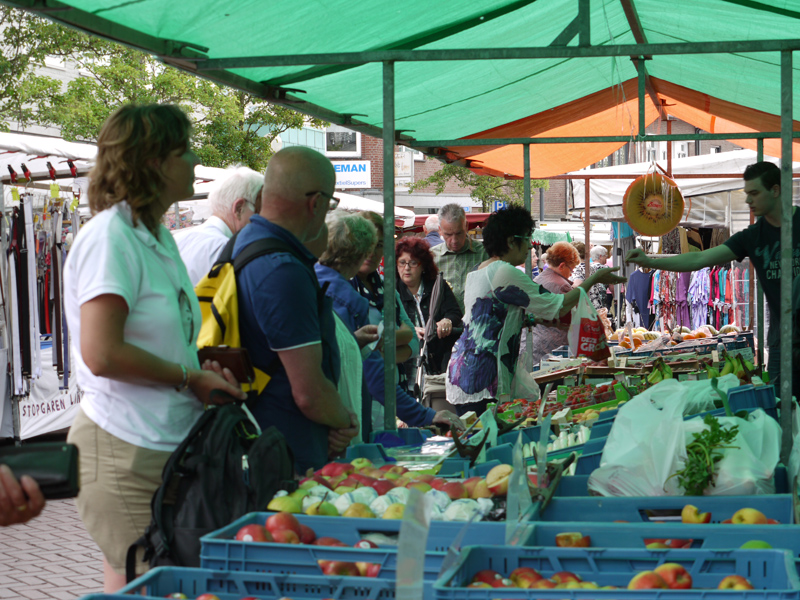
{"type": "Point", "coordinates": [597, 293]}
{"type": "Point", "coordinates": [432, 231]}
{"type": "Point", "coordinates": [234, 200]}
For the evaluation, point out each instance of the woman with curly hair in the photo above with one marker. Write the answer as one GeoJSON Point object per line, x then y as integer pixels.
{"type": "Point", "coordinates": [497, 298]}
{"type": "Point", "coordinates": [134, 319]}
{"type": "Point", "coordinates": [416, 278]}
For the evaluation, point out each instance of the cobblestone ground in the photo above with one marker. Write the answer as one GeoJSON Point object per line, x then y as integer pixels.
{"type": "Point", "coordinates": [50, 557]}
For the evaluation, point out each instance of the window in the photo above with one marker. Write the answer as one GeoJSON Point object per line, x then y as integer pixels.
{"type": "Point", "coordinates": [342, 142]}
{"type": "Point", "coordinates": [715, 149]}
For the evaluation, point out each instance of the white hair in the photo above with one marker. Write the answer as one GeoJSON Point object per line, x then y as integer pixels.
{"type": "Point", "coordinates": [432, 224]}
{"type": "Point", "coordinates": [240, 182]}
{"type": "Point", "coordinates": [596, 252]}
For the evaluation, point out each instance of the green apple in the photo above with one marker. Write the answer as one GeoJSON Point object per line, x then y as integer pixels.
{"type": "Point", "coordinates": [360, 511]}
{"type": "Point", "coordinates": [322, 508]}
{"type": "Point", "coordinates": [394, 511]}
{"type": "Point", "coordinates": [286, 504]}
{"type": "Point", "coordinates": [343, 489]}
{"type": "Point", "coordinates": [299, 494]}
{"type": "Point", "coordinates": [756, 545]}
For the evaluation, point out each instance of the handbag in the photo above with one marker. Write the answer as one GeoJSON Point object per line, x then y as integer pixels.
{"type": "Point", "coordinates": [53, 465]}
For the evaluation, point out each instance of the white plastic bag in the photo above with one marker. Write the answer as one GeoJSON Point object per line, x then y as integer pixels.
{"type": "Point", "coordinates": [523, 385]}
{"type": "Point", "coordinates": [647, 444]}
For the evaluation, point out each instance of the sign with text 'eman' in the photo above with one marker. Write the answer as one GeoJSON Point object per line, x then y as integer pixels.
{"type": "Point", "coordinates": [352, 174]}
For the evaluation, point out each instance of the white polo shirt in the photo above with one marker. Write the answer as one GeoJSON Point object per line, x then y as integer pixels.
{"type": "Point", "coordinates": [111, 256]}
{"type": "Point", "coordinates": [200, 246]}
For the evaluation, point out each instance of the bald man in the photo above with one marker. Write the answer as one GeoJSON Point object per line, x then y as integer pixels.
{"type": "Point", "coordinates": [286, 323]}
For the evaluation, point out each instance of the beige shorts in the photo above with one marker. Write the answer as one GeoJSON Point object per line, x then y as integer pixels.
{"type": "Point", "coordinates": [118, 481]}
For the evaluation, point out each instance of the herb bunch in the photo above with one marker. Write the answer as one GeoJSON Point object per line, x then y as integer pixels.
{"type": "Point", "coordinates": [702, 455]}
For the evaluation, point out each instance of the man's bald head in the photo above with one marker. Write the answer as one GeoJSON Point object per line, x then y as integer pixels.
{"type": "Point", "coordinates": [295, 171]}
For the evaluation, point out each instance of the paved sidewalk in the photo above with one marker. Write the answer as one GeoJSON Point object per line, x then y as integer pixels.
{"type": "Point", "coordinates": [50, 557]}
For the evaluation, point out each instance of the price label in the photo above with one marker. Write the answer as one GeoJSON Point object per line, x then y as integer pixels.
{"type": "Point", "coordinates": [715, 356]}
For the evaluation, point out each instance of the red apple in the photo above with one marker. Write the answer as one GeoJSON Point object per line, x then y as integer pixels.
{"type": "Point", "coordinates": [207, 597]}
{"type": "Point", "coordinates": [365, 544]}
{"type": "Point", "coordinates": [735, 582]}
{"type": "Point", "coordinates": [486, 576]}
{"type": "Point", "coordinates": [254, 533]}
{"type": "Point", "coordinates": [426, 477]}
{"type": "Point", "coordinates": [690, 514]}
{"type": "Point", "coordinates": [748, 516]}
{"type": "Point", "coordinates": [455, 490]}
{"type": "Point", "coordinates": [383, 486]}
{"type": "Point", "coordinates": [773, 522]}
{"type": "Point", "coordinates": [647, 580]}
{"type": "Point", "coordinates": [283, 520]}
{"type": "Point", "coordinates": [437, 483]}
{"type": "Point", "coordinates": [502, 583]}
{"type": "Point", "coordinates": [470, 484]}
{"type": "Point", "coordinates": [366, 569]}
{"type": "Point", "coordinates": [478, 584]}
{"type": "Point", "coordinates": [525, 577]}
{"type": "Point", "coordinates": [362, 479]}
{"type": "Point", "coordinates": [573, 539]}
{"type": "Point", "coordinates": [675, 576]}
{"type": "Point", "coordinates": [328, 541]}
{"type": "Point", "coordinates": [335, 469]}
{"type": "Point", "coordinates": [177, 596]}
{"type": "Point", "coordinates": [351, 482]}
{"type": "Point", "coordinates": [544, 584]}
{"type": "Point", "coordinates": [286, 536]}
{"type": "Point", "coordinates": [307, 535]}
{"type": "Point", "coordinates": [385, 468]}
{"type": "Point", "coordinates": [340, 567]}
{"type": "Point", "coordinates": [565, 577]}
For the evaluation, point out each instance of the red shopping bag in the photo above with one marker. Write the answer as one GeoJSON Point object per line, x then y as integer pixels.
{"type": "Point", "coordinates": [586, 334]}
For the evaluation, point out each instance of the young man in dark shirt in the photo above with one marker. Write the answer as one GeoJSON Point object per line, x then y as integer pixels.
{"type": "Point", "coordinates": [761, 242]}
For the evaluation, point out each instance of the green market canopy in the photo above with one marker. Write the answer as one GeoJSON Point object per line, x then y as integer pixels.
{"type": "Point", "coordinates": [562, 77]}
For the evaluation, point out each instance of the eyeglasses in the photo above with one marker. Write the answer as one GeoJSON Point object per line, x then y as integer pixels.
{"type": "Point", "coordinates": [403, 264]}
{"type": "Point", "coordinates": [333, 202]}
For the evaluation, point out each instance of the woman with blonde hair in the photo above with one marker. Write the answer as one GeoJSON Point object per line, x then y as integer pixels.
{"type": "Point", "coordinates": [134, 318]}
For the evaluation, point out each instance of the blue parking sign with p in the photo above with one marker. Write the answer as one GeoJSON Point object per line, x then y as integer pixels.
{"type": "Point", "coordinates": [497, 205]}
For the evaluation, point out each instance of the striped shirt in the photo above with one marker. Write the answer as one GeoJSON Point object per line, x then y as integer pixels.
{"type": "Point", "coordinates": [456, 265]}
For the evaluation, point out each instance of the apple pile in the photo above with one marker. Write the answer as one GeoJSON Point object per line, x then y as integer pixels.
{"type": "Point", "coordinates": [284, 528]}
{"type": "Point", "coordinates": [359, 489]}
{"type": "Point", "coordinates": [182, 596]}
{"type": "Point", "coordinates": [528, 577]}
{"type": "Point", "coordinates": [743, 516]}
{"type": "Point", "coordinates": [671, 576]}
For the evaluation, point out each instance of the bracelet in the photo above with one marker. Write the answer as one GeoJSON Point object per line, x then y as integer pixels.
{"type": "Point", "coordinates": [185, 381]}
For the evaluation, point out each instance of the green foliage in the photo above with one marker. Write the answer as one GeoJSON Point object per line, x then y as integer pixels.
{"type": "Point", "coordinates": [483, 188]}
{"type": "Point", "coordinates": [230, 126]}
{"type": "Point", "coordinates": [702, 454]}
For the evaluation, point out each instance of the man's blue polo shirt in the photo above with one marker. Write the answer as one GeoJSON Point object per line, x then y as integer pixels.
{"type": "Point", "coordinates": [278, 311]}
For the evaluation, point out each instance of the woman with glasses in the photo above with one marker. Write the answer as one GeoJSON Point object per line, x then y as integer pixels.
{"type": "Point", "coordinates": [497, 299]}
{"type": "Point", "coordinates": [134, 318]}
{"type": "Point", "coordinates": [369, 283]}
{"type": "Point", "coordinates": [416, 277]}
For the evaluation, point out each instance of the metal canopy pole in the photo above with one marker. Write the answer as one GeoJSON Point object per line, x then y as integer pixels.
{"type": "Point", "coordinates": [786, 255]}
{"type": "Point", "coordinates": [389, 264]}
{"type": "Point", "coordinates": [642, 82]}
{"type": "Point", "coordinates": [760, 291]}
{"type": "Point", "coordinates": [587, 228]}
{"type": "Point", "coordinates": [526, 198]}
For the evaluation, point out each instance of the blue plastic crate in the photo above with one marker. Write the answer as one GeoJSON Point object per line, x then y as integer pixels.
{"type": "Point", "coordinates": [706, 537]}
{"type": "Point", "coordinates": [221, 552]}
{"type": "Point", "coordinates": [588, 463]}
{"type": "Point", "coordinates": [661, 508]}
{"type": "Point", "coordinates": [749, 397]}
{"type": "Point", "coordinates": [163, 581]}
{"type": "Point", "coordinates": [601, 429]}
{"type": "Point", "coordinates": [771, 572]}
{"type": "Point", "coordinates": [374, 452]}
{"type": "Point", "coordinates": [578, 485]}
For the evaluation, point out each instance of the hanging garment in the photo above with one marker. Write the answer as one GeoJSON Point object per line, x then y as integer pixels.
{"type": "Point", "coordinates": [683, 313]}
{"type": "Point", "coordinates": [699, 288]}
{"type": "Point", "coordinates": [35, 347]}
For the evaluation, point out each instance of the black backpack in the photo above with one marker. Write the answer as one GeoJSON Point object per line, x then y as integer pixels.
{"type": "Point", "coordinates": [222, 470]}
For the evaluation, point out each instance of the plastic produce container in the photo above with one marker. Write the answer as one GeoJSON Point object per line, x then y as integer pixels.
{"type": "Point", "coordinates": [771, 572]}
{"type": "Point", "coordinates": [661, 508]}
{"type": "Point", "coordinates": [163, 581]}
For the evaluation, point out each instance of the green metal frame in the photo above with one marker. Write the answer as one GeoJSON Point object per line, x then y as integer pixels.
{"type": "Point", "coordinates": [192, 58]}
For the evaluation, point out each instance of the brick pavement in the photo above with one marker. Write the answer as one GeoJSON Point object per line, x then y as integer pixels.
{"type": "Point", "coordinates": [52, 557]}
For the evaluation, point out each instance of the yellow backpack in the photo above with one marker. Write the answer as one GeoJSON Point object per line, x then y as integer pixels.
{"type": "Point", "coordinates": [219, 303]}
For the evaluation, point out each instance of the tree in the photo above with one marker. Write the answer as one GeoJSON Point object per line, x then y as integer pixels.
{"type": "Point", "coordinates": [484, 188]}
{"type": "Point", "coordinates": [231, 126]}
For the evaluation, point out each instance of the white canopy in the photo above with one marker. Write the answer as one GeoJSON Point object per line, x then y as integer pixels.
{"type": "Point", "coordinates": [715, 202]}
